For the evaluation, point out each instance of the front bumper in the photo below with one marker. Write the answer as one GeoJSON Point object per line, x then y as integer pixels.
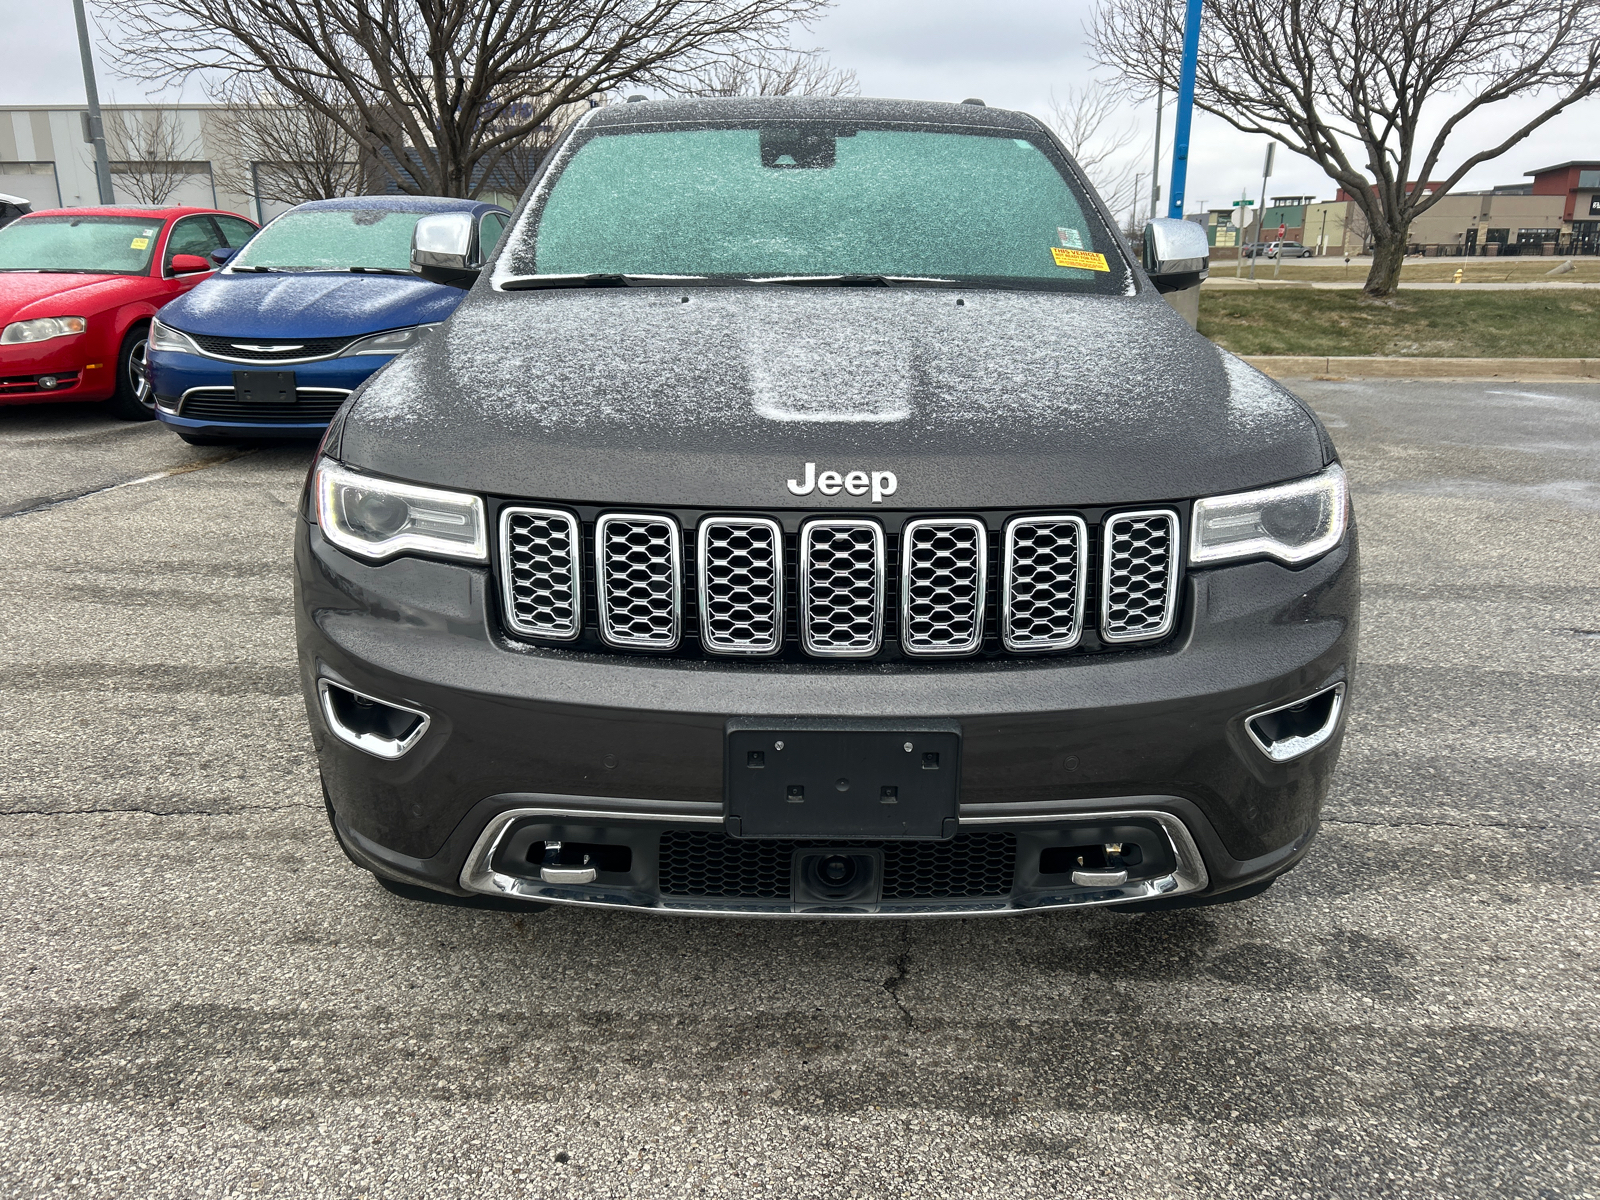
{"type": "Point", "coordinates": [529, 746]}
{"type": "Point", "coordinates": [67, 363]}
{"type": "Point", "coordinates": [178, 378]}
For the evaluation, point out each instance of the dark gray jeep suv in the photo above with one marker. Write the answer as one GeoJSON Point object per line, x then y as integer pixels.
{"type": "Point", "coordinates": [815, 508]}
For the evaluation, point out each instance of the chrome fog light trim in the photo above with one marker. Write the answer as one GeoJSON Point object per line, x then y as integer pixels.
{"type": "Point", "coordinates": [392, 745]}
{"type": "Point", "coordinates": [1287, 749]}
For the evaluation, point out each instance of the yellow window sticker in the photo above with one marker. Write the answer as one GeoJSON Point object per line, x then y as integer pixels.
{"type": "Point", "coordinates": [139, 244]}
{"type": "Point", "coordinates": [1085, 259]}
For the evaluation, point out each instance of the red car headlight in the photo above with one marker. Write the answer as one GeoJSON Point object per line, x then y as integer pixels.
{"type": "Point", "coordinates": [42, 329]}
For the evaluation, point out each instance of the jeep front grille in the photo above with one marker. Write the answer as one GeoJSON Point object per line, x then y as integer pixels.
{"type": "Point", "coordinates": [638, 580]}
{"type": "Point", "coordinates": [1141, 582]}
{"type": "Point", "coordinates": [542, 572]}
{"type": "Point", "coordinates": [1046, 559]}
{"type": "Point", "coordinates": [944, 564]}
{"type": "Point", "coordinates": [841, 587]}
{"type": "Point", "coordinates": [741, 585]}
{"type": "Point", "coordinates": [736, 584]}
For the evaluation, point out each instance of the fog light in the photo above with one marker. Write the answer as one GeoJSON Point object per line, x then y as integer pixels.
{"type": "Point", "coordinates": [48, 382]}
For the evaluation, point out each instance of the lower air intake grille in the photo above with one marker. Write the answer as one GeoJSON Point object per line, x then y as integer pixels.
{"type": "Point", "coordinates": [639, 577]}
{"type": "Point", "coordinates": [1141, 579]}
{"type": "Point", "coordinates": [741, 585]}
{"type": "Point", "coordinates": [841, 584]}
{"type": "Point", "coordinates": [318, 411]}
{"type": "Point", "coordinates": [539, 552]}
{"type": "Point", "coordinates": [696, 863]}
{"type": "Point", "coordinates": [1043, 581]}
{"type": "Point", "coordinates": [943, 568]}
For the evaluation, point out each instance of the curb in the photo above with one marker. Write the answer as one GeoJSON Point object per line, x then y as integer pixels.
{"type": "Point", "coordinates": [1302, 366]}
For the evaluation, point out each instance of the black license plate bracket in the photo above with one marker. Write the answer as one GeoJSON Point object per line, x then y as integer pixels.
{"type": "Point", "coordinates": [784, 777]}
{"type": "Point", "coordinates": [264, 387]}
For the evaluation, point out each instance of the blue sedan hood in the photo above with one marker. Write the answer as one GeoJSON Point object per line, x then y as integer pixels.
{"type": "Point", "coordinates": [320, 305]}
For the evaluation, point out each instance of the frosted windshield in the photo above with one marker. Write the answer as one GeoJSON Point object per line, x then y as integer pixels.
{"type": "Point", "coordinates": [86, 245]}
{"type": "Point", "coordinates": [333, 240]}
{"type": "Point", "coordinates": [808, 200]}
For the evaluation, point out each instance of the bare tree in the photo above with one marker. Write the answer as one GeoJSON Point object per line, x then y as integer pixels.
{"type": "Point", "coordinates": [439, 92]}
{"type": "Point", "coordinates": [151, 156]}
{"type": "Point", "coordinates": [766, 72]}
{"type": "Point", "coordinates": [1089, 122]}
{"type": "Point", "coordinates": [281, 151]}
{"type": "Point", "coordinates": [1352, 84]}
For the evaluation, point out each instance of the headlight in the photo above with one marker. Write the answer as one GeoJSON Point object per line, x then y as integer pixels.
{"type": "Point", "coordinates": [164, 337]}
{"type": "Point", "coordinates": [392, 342]}
{"type": "Point", "coordinates": [41, 330]}
{"type": "Point", "coordinates": [379, 518]}
{"type": "Point", "coordinates": [1292, 522]}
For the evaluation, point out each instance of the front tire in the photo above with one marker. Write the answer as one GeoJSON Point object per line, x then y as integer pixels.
{"type": "Point", "coordinates": [134, 400]}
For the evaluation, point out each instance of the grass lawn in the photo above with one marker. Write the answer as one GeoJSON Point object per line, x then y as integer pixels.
{"type": "Point", "coordinates": [1534, 324]}
{"type": "Point", "coordinates": [1533, 269]}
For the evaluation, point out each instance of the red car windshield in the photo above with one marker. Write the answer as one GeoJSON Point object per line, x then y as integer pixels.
{"type": "Point", "coordinates": [80, 245]}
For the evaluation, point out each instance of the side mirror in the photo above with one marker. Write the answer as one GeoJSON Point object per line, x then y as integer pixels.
{"type": "Point", "coordinates": [1176, 256]}
{"type": "Point", "coordinates": [223, 253]}
{"type": "Point", "coordinates": [188, 264]}
{"type": "Point", "coordinates": [444, 249]}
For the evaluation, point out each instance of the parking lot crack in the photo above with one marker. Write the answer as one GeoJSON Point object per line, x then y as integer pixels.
{"type": "Point", "coordinates": [900, 969]}
{"type": "Point", "coordinates": [41, 504]}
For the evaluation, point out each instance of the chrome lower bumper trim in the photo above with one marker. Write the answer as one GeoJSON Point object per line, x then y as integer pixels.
{"type": "Point", "coordinates": [478, 874]}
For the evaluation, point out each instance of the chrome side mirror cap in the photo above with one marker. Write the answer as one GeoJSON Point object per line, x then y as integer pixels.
{"type": "Point", "coordinates": [1176, 256]}
{"type": "Point", "coordinates": [444, 249]}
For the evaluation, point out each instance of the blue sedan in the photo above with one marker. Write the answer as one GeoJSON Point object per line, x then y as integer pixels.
{"type": "Point", "coordinates": [317, 301]}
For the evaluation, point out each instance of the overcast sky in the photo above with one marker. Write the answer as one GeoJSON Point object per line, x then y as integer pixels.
{"type": "Point", "coordinates": [1011, 53]}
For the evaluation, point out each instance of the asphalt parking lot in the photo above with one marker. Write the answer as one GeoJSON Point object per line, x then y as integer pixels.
{"type": "Point", "coordinates": [200, 997]}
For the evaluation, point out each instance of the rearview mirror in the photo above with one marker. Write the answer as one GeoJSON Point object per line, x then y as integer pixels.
{"type": "Point", "coordinates": [1176, 256]}
{"type": "Point", "coordinates": [444, 249]}
{"type": "Point", "coordinates": [223, 253]}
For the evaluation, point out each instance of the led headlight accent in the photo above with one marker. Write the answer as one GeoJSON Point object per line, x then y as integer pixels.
{"type": "Point", "coordinates": [1292, 522]}
{"type": "Point", "coordinates": [41, 329]}
{"type": "Point", "coordinates": [379, 518]}
{"type": "Point", "coordinates": [392, 342]}
{"type": "Point", "coordinates": [164, 337]}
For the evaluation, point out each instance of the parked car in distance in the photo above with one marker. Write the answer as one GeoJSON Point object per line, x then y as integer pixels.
{"type": "Point", "coordinates": [12, 207]}
{"type": "Point", "coordinates": [1289, 250]}
{"type": "Point", "coordinates": [78, 289]}
{"type": "Point", "coordinates": [321, 298]}
{"type": "Point", "coordinates": [815, 509]}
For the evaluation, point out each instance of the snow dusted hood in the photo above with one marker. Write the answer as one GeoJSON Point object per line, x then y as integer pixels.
{"type": "Point", "coordinates": [713, 397]}
{"type": "Point", "coordinates": [308, 305]}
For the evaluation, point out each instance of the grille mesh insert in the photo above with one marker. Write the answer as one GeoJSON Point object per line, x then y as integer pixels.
{"type": "Point", "coordinates": [224, 347]}
{"type": "Point", "coordinates": [1043, 584]}
{"type": "Point", "coordinates": [943, 564]}
{"type": "Point", "coordinates": [841, 568]}
{"type": "Point", "coordinates": [638, 575]}
{"type": "Point", "coordinates": [1139, 576]}
{"type": "Point", "coordinates": [741, 585]}
{"type": "Point", "coordinates": [540, 559]}
{"type": "Point", "coordinates": [698, 863]}
{"type": "Point", "coordinates": [317, 411]}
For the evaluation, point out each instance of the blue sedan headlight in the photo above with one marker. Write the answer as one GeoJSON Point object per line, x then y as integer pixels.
{"type": "Point", "coordinates": [392, 342]}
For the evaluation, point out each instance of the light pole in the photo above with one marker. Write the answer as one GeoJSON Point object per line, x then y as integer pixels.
{"type": "Point", "coordinates": [97, 130]}
{"type": "Point", "coordinates": [1261, 217]}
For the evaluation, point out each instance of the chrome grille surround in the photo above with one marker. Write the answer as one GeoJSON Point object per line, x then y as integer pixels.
{"type": "Point", "coordinates": [1043, 583]}
{"type": "Point", "coordinates": [541, 572]}
{"type": "Point", "coordinates": [944, 568]}
{"type": "Point", "coordinates": [1139, 575]}
{"type": "Point", "coordinates": [639, 581]}
{"type": "Point", "coordinates": [841, 587]}
{"type": "Point", "coordinates": [739, 563]}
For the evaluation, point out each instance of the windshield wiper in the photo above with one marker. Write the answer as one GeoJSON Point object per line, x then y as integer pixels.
{"type": "Point", "coordinates": [257, 270]}
{"type": "Point", "coordinates": [595, 279]}
{"type": "Point", "coordinates": [855, 281]}
{"type": "Point", "coordinates": [377, 271]}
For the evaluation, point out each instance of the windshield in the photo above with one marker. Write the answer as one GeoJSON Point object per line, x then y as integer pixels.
{"type": "Point", "coordinates": [333, 240]}
{"type": "Point", "coordinates": [82, 245]}
{"type": "Point", "coordinates": [810, 199]}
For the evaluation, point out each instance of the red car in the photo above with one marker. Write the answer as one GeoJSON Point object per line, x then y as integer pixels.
{"type": "Point", "coordinates": [78, 287]}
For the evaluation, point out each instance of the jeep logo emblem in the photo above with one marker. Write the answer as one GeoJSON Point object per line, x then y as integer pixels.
{"type": "Point", "coordinates": [853, 483]}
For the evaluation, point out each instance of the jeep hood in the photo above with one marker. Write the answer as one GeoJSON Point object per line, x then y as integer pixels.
{"type": "Point", "coordinates": [711, 397]}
